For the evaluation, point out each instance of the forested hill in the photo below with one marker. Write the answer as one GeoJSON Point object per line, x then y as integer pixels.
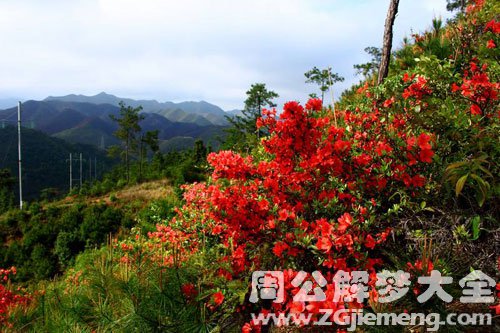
{"type": "Point", "coordinates": [45, 162]}
{"type": "Point", "coordinates": [90, 123]}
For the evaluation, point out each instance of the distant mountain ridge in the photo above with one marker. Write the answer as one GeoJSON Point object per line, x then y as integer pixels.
{"type": "Point", "coordinates": [207, 113]}
{"type": "Point", "coordinates": [90, 123]}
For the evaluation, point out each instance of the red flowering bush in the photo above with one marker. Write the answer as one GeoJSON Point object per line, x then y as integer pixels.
{"type": "Point", "coordinates": [320, 191]}
{"type": "Point", "coordinates": [312, 197]}
{"type": "Point", "coordinates": [10, 299]}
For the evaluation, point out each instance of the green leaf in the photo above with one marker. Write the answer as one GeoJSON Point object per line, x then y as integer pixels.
{"type": "Point", "coordinates": [475, 221]}
{"type": "Point", "coordinates": [460, 184]}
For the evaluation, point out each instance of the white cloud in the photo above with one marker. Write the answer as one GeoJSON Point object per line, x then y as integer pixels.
{"type": "Point", "coordinates": [189, 50]}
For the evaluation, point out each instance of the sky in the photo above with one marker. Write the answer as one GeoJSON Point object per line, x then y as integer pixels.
{"type": "Point", "coordinates": [210, 50]}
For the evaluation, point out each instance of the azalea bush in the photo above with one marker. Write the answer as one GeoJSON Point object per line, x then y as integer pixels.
{"type": "Point", "coordinates": [357, 188]}
{"type": "Point", "coordinates": [317, 194]}
{"type": "Point", "coordinates": [11, 299]}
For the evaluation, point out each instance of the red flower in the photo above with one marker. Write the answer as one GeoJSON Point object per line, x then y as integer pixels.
{"type": "Point", "coordinates": [345, 221]}
{"type": "Point", "coordinates": [388, 102]}
{"type": "Point", "coordinates": [263, 204]}
{"type": "Point", "coordinates": [279, 248]}
{"type": "Point", "coordinates": [218, 298]}
{"type": "Point", "coordinates": [369, 242]}
{"type": "Point", "coordinates": [418, 181]}
{"type": "Point", "coordinates": [411, 142]}
{"type": "Point", "coordinates": [382, 147]}
{"type": "Point", "coordinates": [283, 215]}
{"type": "Point", "coordinates": [419, 266]}
{"type": "Point", "coordinates": [324, 244]}
{"type": "Point", "coordinates": [423, 141]}
{"type": "Point", "coordinates": [475, 109]}
{"type": "Point", "coordinates": [491, 44]}
{"type": "Point", "coordinates": [249, 327]}
{"type": "Point", "coordinates": [407, 78]}
{"type": "Point", "coordinates": [493, 26]}
{"type": "Point", "coordinates": [425, 155]}
{"type": "Point", "coordinates": [340, 145]}
{"type": "Point", "coordinates": [297, 307]}
{"type": "Point", "coordinates": [189, 290]}
{"type": "Point", "coordinates": [314, 104]}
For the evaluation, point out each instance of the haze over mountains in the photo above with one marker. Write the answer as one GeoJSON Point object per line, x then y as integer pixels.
{"type": "Point", "coordinates": [86, 119]}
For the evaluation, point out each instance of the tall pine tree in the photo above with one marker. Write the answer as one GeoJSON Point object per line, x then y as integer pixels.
{"type": "Point", "coordinates": [128, 131]}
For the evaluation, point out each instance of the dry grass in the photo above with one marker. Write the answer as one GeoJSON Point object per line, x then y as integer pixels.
{"type": "Point", "coordinates": [153, 190]}
{"type": "Point", "coordinates": [144, 192]}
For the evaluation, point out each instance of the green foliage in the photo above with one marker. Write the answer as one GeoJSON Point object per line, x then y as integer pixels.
{"type": "Point", "coordinates": [452, 5]}
{"type": "Point", "coordinates": [45, 166]}
{"type": "Point", "coordinates": [47, 240]}
{"type": "Point", "coordinates": [473, 173]}
{"type": "Point", "coordinates": [370, 68]}
{"type": "Point", "coordinates": [98, 222]}
{"type": "Point", "coordinates": [243, 133]}
{"type": "Point", "coordinates": [6, 190]}
{"type": "Point", "coordinates": [323, 78]}
{"type": "Point", "coordinates": [156, 212]}
{"type": "Point", "coordinates": [112, 297]}
{"type": "Point", "coordinates": [147, 140]}
{"type": "Point", "coordinates": [127, 132]}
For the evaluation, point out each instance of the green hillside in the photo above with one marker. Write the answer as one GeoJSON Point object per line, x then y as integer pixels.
{"type": "Point", "coordinates": [45, 162]}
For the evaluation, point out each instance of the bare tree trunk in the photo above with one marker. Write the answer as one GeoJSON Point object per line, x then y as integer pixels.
{"type": "Point", "coordinates": [386, 49]}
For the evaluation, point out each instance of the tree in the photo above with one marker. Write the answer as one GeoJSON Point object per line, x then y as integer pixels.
{"type": "Point", "coordinates": [6, 190]}
{"type": "Point", "coordinates": [452, 5]}
{"type": "Point", "coordinates": [370, 68]}
{"type": "Point", "coordinates": [148, 140]}
{"type": "Point", "coordinates": [323, 78]}
{"type": "Point", "coordinates": [386, 48]}
{"type": "Point", "coordinates": [200, 152]}
{"type": "Point", "coordinates": [244, 130]}
{"type": "Point", "coordinates": [128, 123]}
{"type": "Point", "coordinates": [259, 97]}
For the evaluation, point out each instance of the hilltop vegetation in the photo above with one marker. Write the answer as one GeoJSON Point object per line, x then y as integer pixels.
{"type": "Point", "coordinates": [401, 175]}
{"type": "Point", "coordinates": [46, 164]}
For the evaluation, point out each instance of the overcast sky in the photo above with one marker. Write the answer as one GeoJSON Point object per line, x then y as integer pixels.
{"type": "Point", "coordinates": [190, 49]}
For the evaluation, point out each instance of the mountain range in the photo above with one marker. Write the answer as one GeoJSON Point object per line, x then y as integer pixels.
{"type": "Point", "coordinates": [86, 119]}
{"type": "Point", "coordinates": [202, 113]}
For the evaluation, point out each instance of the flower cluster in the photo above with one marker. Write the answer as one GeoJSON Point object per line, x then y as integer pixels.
{"type": "Point", "coordinates": [10, 299]}
{"type": "Point", "coordinates": [311, 196]}
{"type": "Point", "coordinates": [477, 87]}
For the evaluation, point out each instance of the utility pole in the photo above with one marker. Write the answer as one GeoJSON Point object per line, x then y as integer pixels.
{"type": "Point", "coordinates": [95, 168]}
{"type": "Point", "coordinates": [19, 155]}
